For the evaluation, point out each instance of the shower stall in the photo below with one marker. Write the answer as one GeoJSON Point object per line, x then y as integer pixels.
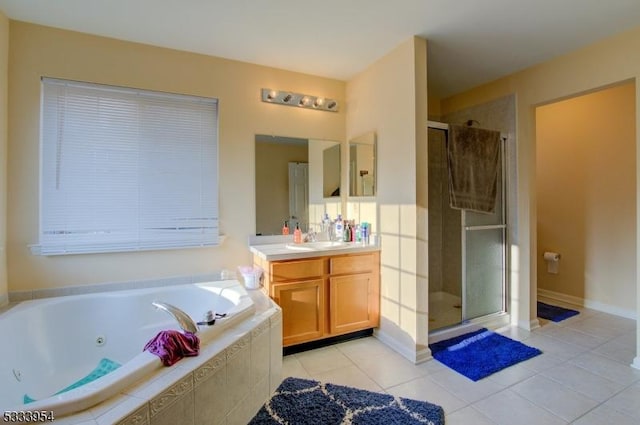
{"type": "Point", "coordinates": [467, 249]}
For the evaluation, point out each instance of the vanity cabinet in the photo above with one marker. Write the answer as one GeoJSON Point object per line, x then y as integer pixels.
{"type": "Point", "coordinates": [303, 309]}
{"type": "Point", "coordinates": [324, 296]}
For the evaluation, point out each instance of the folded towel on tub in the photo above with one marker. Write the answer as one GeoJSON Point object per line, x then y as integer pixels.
{"type": "Point", "coordinates": [172, 345]}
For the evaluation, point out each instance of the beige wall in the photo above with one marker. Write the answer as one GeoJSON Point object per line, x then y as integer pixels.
{"type": "Point", "coordinates": [36, 51]}
{"type": "Point", "coordinates": [601, 64]}
{"type": "Point", "coordinates": [390, 98]}
{"type": "Point", "coordinates": [586, 197]}
{"type": "Point", "coordinates": [4, 78]}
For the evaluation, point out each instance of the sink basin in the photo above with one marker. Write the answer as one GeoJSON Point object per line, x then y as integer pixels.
{"type": "Point", "coordinates": [318, 246]}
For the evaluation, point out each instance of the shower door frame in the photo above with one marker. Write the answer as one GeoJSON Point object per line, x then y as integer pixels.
{"type": "Point", "coordinates": [501, 317]}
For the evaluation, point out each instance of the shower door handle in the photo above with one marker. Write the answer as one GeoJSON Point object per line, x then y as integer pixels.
{"type": "Point", "coordinates": [486, 227]}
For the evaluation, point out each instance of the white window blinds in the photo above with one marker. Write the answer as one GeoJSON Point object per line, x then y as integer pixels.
{"type": "Point", "coordinates": [125, 169]}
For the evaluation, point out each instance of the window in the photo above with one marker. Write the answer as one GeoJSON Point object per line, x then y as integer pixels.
{"type": "Point", "coordinates": [124, 169]}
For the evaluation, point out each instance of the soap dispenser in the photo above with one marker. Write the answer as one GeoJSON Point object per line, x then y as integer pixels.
{"type": "Point", "coordinates": [285, 228]}
{"type": "Point", "coordinates": [297, 235]}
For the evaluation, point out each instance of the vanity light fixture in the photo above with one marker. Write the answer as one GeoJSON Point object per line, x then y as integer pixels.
{"type": "Point", "coordinates": [299, 100]}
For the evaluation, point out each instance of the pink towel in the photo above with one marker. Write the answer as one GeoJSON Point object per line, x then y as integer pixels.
{"type": "Point", "coordinates": [171, 346]}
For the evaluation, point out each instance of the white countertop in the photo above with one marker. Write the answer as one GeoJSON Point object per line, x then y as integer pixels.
{"type": "Point", "coordinates": [287, 250]}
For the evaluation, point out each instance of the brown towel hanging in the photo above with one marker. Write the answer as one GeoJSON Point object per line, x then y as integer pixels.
{"type": "Point", "coordinates": [473, 156]}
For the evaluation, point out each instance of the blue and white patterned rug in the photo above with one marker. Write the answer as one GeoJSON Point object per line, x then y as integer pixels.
{"type": "Point", "coordinates": [302, 401]}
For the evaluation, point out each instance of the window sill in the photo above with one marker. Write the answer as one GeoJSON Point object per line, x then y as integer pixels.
{"type": "Point", "coordinates": [46, 251]}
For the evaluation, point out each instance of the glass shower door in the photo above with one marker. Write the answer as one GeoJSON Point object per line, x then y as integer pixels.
{"type": "Point", "coordinates": [484, 256]}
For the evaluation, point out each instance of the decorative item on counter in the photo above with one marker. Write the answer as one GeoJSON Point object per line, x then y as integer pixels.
{"type": "Point", "coordinates": [252, 276]}
{"type": "Point", "coordinates": [285, 228]}
{"type": "Point", "coordinates": [297, 234]}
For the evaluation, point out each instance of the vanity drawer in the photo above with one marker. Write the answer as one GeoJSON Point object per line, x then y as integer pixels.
{"type": "Point", "coordinates": [349, 264]}
{"type": "Point", "coordinates": [300, 269]}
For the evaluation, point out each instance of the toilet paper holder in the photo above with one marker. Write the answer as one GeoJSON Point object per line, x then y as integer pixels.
{"type": "Point", "coordinates": [551, 256]}
{"type": "Point", "coordinates": [552, 259]}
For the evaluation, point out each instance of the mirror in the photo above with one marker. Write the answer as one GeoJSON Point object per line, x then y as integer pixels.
{"type": "Point", "coordinates": [362, 165]}
{"type": "Point", "coordinates": [294, 178]}
{"type": "Point", "coordinates": [330, 170]}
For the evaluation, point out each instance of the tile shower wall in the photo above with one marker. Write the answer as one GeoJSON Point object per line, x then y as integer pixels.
{"type": "Point", "coordinates": [444, 250]}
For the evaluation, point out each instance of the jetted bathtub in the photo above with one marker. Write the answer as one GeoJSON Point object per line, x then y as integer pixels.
{"type": "Point", "coordinates": [52, 344]}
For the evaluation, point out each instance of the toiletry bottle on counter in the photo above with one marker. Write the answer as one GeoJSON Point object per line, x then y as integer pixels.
{"type": "Point", "coordinates": [346, 236]}
{"type": "Point", "coordinates": [297, 235]}
{"type": "Point", "coordinates": [326, 222]}
{"type": "Point", "coordinates": [364, 232]}
{"type": "Point", "coordinates": [285, 228]}
{"type": "Point", "coordinates": [325, 227]}
{"type": "Point", "coordinates": [339, 228]}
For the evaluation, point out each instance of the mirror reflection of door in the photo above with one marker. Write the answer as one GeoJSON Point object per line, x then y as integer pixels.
{"type": "Point", "coordinates": [298, 194]}
{"type": "Point", "coordinates": [331, 171]}
{"type": "Point", "coordinates": [362, 165]}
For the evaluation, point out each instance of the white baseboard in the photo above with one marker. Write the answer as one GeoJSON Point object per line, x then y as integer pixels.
{"type": "Point", "coordinates": [594, 305]}
{"type": "Point", "coordinates": [528, 325]}
{"type": "Point", "coordinates": [408, 353]}
{"type": "Point", "coordinates": [636, 363]}
{"type": "Point", "coordinates": [423, 355]}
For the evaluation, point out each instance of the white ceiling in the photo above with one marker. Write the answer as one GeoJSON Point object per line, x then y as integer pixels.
{"type": "Point", "coordinates": [470, 41]}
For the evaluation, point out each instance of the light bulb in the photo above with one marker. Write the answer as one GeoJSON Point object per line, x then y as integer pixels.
{"type": "Point", "coordinates": [304, 101]}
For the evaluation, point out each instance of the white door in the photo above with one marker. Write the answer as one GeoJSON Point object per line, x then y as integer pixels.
{"type": "Point", "coordinates": [298, 194]}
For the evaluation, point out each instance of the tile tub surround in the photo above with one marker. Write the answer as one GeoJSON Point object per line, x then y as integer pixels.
{"type": "Point", "coordinates": [226, 384]}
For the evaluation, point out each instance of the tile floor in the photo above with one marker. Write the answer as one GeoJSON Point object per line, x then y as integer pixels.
{"type": "Point", "coordinates": [583, 376]}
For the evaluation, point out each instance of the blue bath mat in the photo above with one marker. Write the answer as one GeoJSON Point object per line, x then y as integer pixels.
{"type": "Point", "coordinates": [479, 354]}
{"type": "Point", "coordinates": [104, 366]}
{"type": "Point", "coordinates": [554, 313]}
{"type": "Point", "coordinates": [302, 401]}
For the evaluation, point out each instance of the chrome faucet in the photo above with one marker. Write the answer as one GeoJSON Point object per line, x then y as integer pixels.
{"type": "Point", "coordinates": [183, 319]}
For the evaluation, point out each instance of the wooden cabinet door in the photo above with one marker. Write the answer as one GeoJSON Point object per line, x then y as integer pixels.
{"type": "Point", "coordinates": [352, 303]}
{"type": "Point", "coordinates": [303, 310]}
